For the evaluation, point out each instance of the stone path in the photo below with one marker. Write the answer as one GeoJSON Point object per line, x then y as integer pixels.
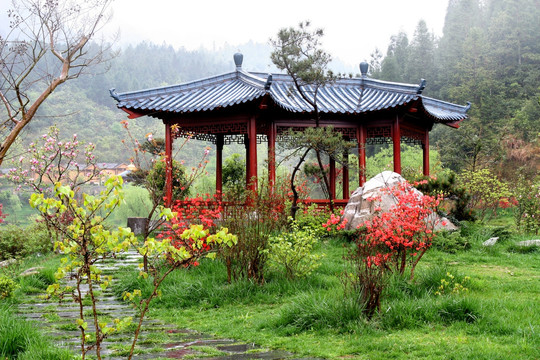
{"type": "Point", "coordinates": [157, 340]}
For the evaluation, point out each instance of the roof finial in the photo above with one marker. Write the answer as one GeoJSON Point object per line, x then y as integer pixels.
{"type": "Point", "coordinates": [113, 94]}
{"type": "Point", "coordinates": [364, 66]}
{"type": "Point", "coordinates": [268, 82]}
{"type": "Point", "coordinates": [238, 58]}
{"type": "Point", "coordinates": [421, 87]}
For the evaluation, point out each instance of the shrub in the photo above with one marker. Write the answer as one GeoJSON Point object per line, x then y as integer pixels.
{"type": "Point", "coordinates": [18, 242]}
{"type": "Point", "coordinates": [7, 286]}
{"type": "Point", "coordinates": [390, 242]}
{"type": "Point", "coordinates": [485, 189]}
{"type": "Point", "coordinates": [292, 251]}
{"type": "Point", "coordinates": [156, 177]}
{"type": "Point", "coordinates": [450, 242]}
{"type": "Point", "coordinates": [527, 210]}
{"type": "Point", "coordinates": [253, 219]}
{"type": "Point", "coordinates": [458, 198]}
{"type": "Point", "coordinates": [234, 175]}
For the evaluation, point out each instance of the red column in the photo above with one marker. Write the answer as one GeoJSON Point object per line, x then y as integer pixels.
{"type": "Point", "coordinates": [168, 164]}
{"type": "Point", "coordinates": [396, 139]}
{"type": "Point", "coordinates": [248, 172]}
{"type": "Point", "coordinates": [252, 153]}
{"type": "Point", "coordinates": [272, 132]}
{"type": "Point", "coordinates": [425, 148]}
{"type": "Point", "coordinates": [219, 165]}
{"type": "Point", "coordinates": [346, 175]}
{"type": "Point", "coordinates": [332, 178]}
{"type": "Point", "coordinates": [361, 138]}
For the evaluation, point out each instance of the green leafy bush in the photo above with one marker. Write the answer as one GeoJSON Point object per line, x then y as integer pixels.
{"type": "Point", "coordinates": [7, 286]}
{"type": "Point", "coordinates": [156, 177]}
{"type": "Point", "coordinates": [485, 189]}
{"type": "Point", "coordinates": [450, 242]}
{"type": "Point", "coordinates": [18, 242]}
{"type": "Point", "coordinates": [527, 210]}
{"type": "Point", "coordinates": [293, 252]}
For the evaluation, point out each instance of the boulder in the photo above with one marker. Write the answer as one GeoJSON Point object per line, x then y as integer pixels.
{"type": "Point", "coordinates": [529, 243]}
{"type": "Point", "coordinates": [491, 241]}
{"type": "Point", "coordinates": [31, 271]}
{"type": "Point", "coordinates": [360, 209]}
{"type": "Point", "coordinates": [7, 262]}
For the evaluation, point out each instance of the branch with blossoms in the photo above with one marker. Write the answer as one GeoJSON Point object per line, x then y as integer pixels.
{"type": "Point", "coordinates": [51, 160]}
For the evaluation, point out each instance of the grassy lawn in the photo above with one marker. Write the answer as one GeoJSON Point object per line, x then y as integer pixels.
{"type": "Point", "coordinates": [497, 317]}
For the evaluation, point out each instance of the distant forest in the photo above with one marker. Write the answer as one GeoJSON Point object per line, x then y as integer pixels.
{"type": "Point", "coordinates": [489, 54]}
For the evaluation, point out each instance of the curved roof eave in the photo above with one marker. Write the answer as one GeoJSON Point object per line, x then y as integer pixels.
{"type": "Point", "coordinates": [344, 96]}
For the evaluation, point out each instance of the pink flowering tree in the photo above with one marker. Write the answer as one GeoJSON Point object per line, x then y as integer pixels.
{"type": "Point", "coordinates": [49, 160]}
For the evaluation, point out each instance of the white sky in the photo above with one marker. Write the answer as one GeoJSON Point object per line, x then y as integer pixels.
{"type": "Point", "coordinates": [353, 28]}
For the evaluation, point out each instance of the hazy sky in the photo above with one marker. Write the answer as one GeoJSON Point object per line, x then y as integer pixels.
{"type": "Point", "coordinates": [353, 28]}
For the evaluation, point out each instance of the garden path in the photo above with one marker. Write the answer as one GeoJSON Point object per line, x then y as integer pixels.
{"type": "Point", "coordinates": [158, 340]}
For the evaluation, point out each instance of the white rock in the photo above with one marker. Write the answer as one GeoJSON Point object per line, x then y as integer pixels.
{"type": "Point", "coordinates": [360, 209]}
{"type": "Point", "coordinates": [529, 242]}
{"type": "Point", "coordinates": [491, 241]}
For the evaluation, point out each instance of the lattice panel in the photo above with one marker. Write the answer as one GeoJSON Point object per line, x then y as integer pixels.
{"type": "Point", "coordinates": [203, 137]}
{"type": "Point", "coordinates": [261, 138]}
{"type": "Point", "coordinates": [410, 136]}
{"type": "Point", "coordinates": [379, 132]}
{"type": "Point", "coordinates": [349, 133]}
{"type": "Point", "coordinates": [233, 139]}
{"type": "Point", "coordinates": [234, 128]}
{"type": "Point", "coordinates": [408, 140]}
{"type": "Point", "coordinates": [379, 140]}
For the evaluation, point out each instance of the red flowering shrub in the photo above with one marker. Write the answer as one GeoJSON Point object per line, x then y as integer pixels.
{"type": "Point", "coordinates": [335, 223]}
{"type": "Point", "coordinates": [390, 241]}
{"type": "Point", "coordinates": [199, 210]}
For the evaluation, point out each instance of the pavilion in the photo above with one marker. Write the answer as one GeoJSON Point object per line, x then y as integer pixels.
{"type": "Point", "coordinates": [251, 108]}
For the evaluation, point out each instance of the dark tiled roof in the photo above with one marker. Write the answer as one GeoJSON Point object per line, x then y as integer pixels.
{"type": "Point", "coordinates": [344, 96]}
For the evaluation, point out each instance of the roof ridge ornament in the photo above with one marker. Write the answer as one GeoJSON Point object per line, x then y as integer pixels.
{"type": "Point", "coordinates": [268, 82]}
{"type": "Point", "coordinates": [114, 94]}
{"type": "Point", "coordinates": [422, 86]}
{"type": "Point", "coordinates": [364, 67]}
{"type": "Point", "coordinates": [238, 59]}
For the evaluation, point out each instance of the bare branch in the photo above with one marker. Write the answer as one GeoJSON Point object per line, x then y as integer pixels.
{"type": "Point", "coordinates": [47, 45]}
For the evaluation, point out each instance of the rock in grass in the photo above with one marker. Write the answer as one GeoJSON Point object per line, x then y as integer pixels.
{"type": "Point", "coordinates": [32, 271]}
{"type": "Point", "coordinates": [529, 242]}
{"type": "Point", "coordinates": [491, 241]}
{"type": "Point", "coordinates": [7, 262]}
{"type": "Point", "coordinates": [360, 209]}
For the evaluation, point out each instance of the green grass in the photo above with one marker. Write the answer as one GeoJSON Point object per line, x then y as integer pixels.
{"type": "Point", "coordinates": [20, 339]}
{"type": "Point", "coordinates": [497, 317]}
